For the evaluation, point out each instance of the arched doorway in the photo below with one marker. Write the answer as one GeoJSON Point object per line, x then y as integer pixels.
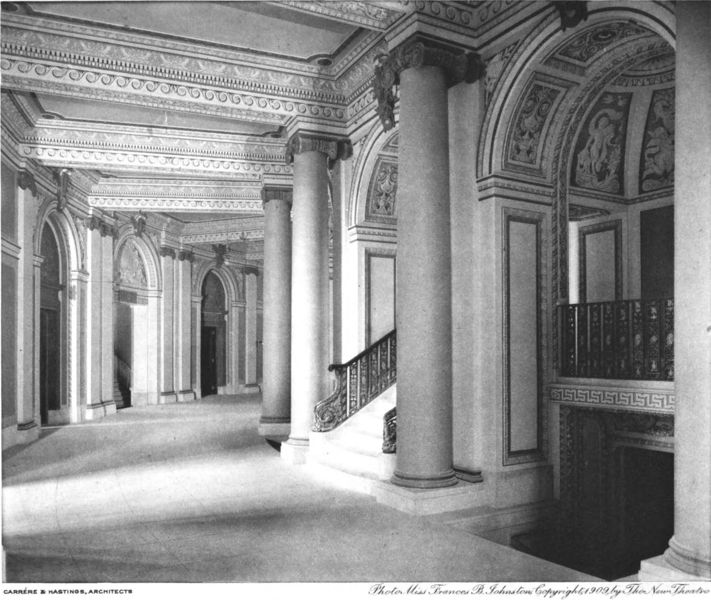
{"type": "Point", "coordinates": [52, 303]}
{"type": "Point", "coordinates": [136, 326]}
{"type": "Point", "coordinates": [212, 339]}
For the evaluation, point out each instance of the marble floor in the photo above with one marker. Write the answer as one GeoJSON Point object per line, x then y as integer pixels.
{"type": "Point", "coordinates": [190, 493]}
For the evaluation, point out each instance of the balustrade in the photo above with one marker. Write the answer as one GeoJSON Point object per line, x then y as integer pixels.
{"type": "Point", "coordinates": [627, 339]}
{"type": "Point", "coordinates": [358, 382]}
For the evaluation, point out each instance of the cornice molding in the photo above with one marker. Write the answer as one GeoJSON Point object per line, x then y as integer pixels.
{"type": "Point", "coordinates": [363, 14]}
{"type": "Point", "coordinates": [226, 101]}
{"type": "Point", "coordinates": [96, 45]}
{"type": "Point", "coordinates": [224, 226]}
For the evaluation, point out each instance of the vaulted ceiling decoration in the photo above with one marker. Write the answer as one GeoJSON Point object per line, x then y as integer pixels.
{"type": "Point", "coordinates": [600, 147]}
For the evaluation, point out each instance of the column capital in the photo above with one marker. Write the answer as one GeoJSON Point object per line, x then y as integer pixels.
{"type": "Point", "coordinates": [95, 222]}
{"type": "Point", "coordinates": [333, 147]}
{"type": "Point", "coordinates": [26, 180]}
{"type": "Point", "coordinates": [272, 192]}
{"type": "Point", "coordinates": [188, 255]}
{"type": "Point", "coordinates": [415, 52]}
{"type": "Point", "coordinates": [167, 252]}
{"type": "Point", "coordinates": [249, 270]}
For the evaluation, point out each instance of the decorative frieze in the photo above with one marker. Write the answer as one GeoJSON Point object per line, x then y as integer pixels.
{"type": "Point", "coordinates": [237, 235]}
{"type": "Point", "coordinates": [661, 399]}
{"type": "Point", "coordinates": [656, 168]}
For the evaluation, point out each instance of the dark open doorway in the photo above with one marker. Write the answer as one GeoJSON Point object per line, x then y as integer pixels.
{"type": "Point", "coordinates": [50, 347]}
{"type": "Point", "coordinates": [213, 329]}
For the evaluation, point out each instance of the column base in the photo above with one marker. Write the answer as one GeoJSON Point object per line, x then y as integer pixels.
{"type": "Point", "coordinates": [167, 397]}
{"type": "Point", "coordinates": [15, 435]}
{"type": "Point", "coordinates": [658, 568]}
{"type": "Point", "coordinates": [444, 480]}
{"type": "Point", "coordinates": [294, 451]}
{"type": "Point", "coordinates": [275, 428]}
{"type": "Point", "coordinates": [98, 411]}
{"type": "Point", "coordinates": [420, 501]}
{"type": "Point", "coordinates": [186, 396]}
{"type": "Point", "coordinates": [686, 560]}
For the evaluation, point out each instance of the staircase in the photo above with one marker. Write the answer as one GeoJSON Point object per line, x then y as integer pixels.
{"type": "Point", "coordinates": [347, 437]}
{"type": "Point", "coordinates": [356, 446]}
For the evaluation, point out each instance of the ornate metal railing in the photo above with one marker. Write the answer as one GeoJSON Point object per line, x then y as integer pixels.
{"type": "Point", "coordinates": [358, 381]}
{"type": "Point", "coordinates": [390, 431]}
{"type": "Point", "coordinates": [627, 339]}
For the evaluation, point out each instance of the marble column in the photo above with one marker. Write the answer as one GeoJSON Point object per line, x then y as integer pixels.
{"type": "Point", "coordinates": [690, 547]}
{"type": "Point", "coordinates": [250, 328]}
{"type": "Point", "coordinates": [27, 386]}
{"type": "Point", "coordinates": [195, 341]}
{"type": "Point", "coordinates": [107, 319]}
{"type": "Point", "coordinates": [183, 328]}
{"type": "Point", "coordinates": [92, 358]}
{"type": "Point", "coordinates": [423, 278]}
{"type": "Point", "coordinates": [167, 339]}
{"type": "Point", "coordinates": [311, 154]}
{"type": "Point", "coordinates": [276, 373]}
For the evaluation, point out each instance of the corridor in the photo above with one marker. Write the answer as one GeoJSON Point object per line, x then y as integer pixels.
{"type": "Point", "coordinates": [190, 493]}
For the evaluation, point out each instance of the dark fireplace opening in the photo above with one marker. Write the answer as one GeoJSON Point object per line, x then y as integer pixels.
{"type": "Point", "coordinates": [647, 511]}
{"type": "Point", "coordinates": [617, 494]}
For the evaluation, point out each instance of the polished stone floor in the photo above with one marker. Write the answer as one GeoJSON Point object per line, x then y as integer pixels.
{"type": "Point", "coordinates": [190, 493]}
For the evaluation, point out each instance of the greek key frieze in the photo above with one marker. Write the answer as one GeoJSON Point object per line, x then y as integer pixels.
{"type": "Point", "coordinates": [630, 399]}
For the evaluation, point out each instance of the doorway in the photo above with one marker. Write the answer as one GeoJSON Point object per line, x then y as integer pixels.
{"type": "Point", "coordinates": [212, 340]}
{"type": "Point", "coordinates": [50, 347]}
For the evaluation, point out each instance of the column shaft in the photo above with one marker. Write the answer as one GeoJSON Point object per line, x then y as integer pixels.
{"type": "Point", "coordinates": [250, 329]}
{"type": "Point", "coordinates": [27, 320]}
{"type": "Point", "coordinates": [424, 313]}
{"type": "Point", "coordinates": [276, 387]}
{"type": "Point", "coordinates": [309, 286]}
{"type": "Point", "coordinates": [690, 548]}
{"type": "Point", "coordinates": [107, 324]}
{"type": "Point", "coordinates": [167, 338]}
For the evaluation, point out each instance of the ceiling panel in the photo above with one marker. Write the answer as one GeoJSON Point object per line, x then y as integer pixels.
{"type": "Point", "coordinates": [240, 25]}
